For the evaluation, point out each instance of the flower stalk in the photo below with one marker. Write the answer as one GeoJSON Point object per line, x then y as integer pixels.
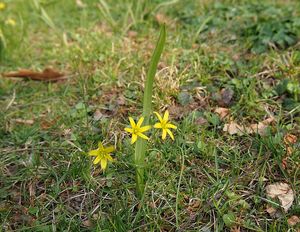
{"type": "Point", "coordinates": [140, 148]}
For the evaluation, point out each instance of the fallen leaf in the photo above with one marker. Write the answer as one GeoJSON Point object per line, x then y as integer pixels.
{"type": "Point", "coordinates": [290, 139]}
{"type": "Point", "coordinates": [48, 74]}
{"type": "Point", "coordinates": [222, 112]}
{"type": "Point", "coordinates": [24, 121]}
{"type": "Point", "coordinates": [259, 128]}
{"type": "Point", "coordinates": [283, 192]}
{"type": "Point", "coordinates": [271, 211]}
{"type": "Point", "coordinates": [293, 220]}
{"type": "Point", "coordinates": [234, 128]}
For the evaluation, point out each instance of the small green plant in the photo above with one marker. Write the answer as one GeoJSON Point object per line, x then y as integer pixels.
{"type": "Point", "coordinates": [137, 130]}
{"type": "Point", "coordinates": [140, 148]}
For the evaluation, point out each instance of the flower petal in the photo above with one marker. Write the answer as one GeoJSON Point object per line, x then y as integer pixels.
{"type": "Point", "coordinates": [169, 125]}
{"type": "Point", "coordinates": [132, 123]}
{"type": "Point", "coordinates": [142, 136]}
{"type": "Point", "coordinates": [100, 145]}
{"type": "Point", "coordinates": [140, 122]}
{"type": "Point", "coordinates": [170, 133]}
{"type": "Point", "coordinates": [158, 116]}
{"type": "Point", "coordinates": [108, 157]}
{"type": "Point", "coordinates": [97, 160]}
{"type": "Point", "coordinates": [133, 138]}
{"type": "Point", "coordinates": [164, 134]}
{"type": "Point", "coordinates": [157, 125]}
{"type": "Point", "coordinates": [166, 116]}
{"type": "Point", "coordinates": [109, 149]}
{"type": "Point", "coordinates": [145, 128]}
{"type": "Point", "coordinates": [128, 130]}
{"type": "Point", "coordinates": [103, 163]}
{"type": "Point", "coordinates": [94, 152]}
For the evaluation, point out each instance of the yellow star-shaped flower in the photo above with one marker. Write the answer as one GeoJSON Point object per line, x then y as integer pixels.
{"type": "Point", "coordinates": [102, 155]}
{"type": "Point", "coordinates": [136, 130]}
{"type": "Point", "coordinates": [165, 125]}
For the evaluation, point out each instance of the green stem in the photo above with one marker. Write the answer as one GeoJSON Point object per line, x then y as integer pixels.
{"type": "Point", "coordinates": [140, 148]}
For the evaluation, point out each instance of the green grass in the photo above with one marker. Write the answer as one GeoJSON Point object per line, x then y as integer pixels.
{"type": "Point", "coordinates": [48, 183]}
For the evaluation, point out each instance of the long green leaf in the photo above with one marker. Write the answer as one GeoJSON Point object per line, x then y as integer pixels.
{"type": "Point", "coordinates": [140, 149]}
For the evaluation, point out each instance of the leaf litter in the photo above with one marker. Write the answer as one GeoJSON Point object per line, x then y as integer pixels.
{"type": "Point", "coordinates": [283, 192]}
{"type": "Point", "coordinates": [256, 128]}
{"type": "Point", "coordinates": [48, 75]}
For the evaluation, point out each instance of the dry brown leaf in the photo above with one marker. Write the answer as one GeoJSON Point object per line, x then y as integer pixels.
{"type": "Point", "coordinates": [24, 121]}
{"type": "Point", "coordinates": [48, 74]}
{"type": "Point", "coordinates": [293, 220]}
{"type": "Point", "coordinates": [290, 139]}
{"type": "Point", "coordinates": [271, 211]}
{"type": "Point", "coordinates": [283, 192]}
{"type": "Point", "coordinates": [260, 128]}
{"type": "Point", "coordinates": [233, 128]}
{"type": "Point", "coordinates": [222, 112]}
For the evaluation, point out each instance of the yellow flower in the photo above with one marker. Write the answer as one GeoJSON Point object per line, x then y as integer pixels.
{"type": "Point", "coordinates": [165, 125]}
{"type": "Point", "coordinates": [102, 155]}
{"type": "Point", "coordinates": [136, 130]}
{"type": "Point", "coordinates": [10, 22]}
{"type": "Point", "coordinates": [2, 5]}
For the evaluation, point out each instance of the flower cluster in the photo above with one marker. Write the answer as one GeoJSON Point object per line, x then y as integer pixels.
{"type": "Point", "coordinates": [137, 131]}
{"type": "Point", "coordinates": [103, 154]}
